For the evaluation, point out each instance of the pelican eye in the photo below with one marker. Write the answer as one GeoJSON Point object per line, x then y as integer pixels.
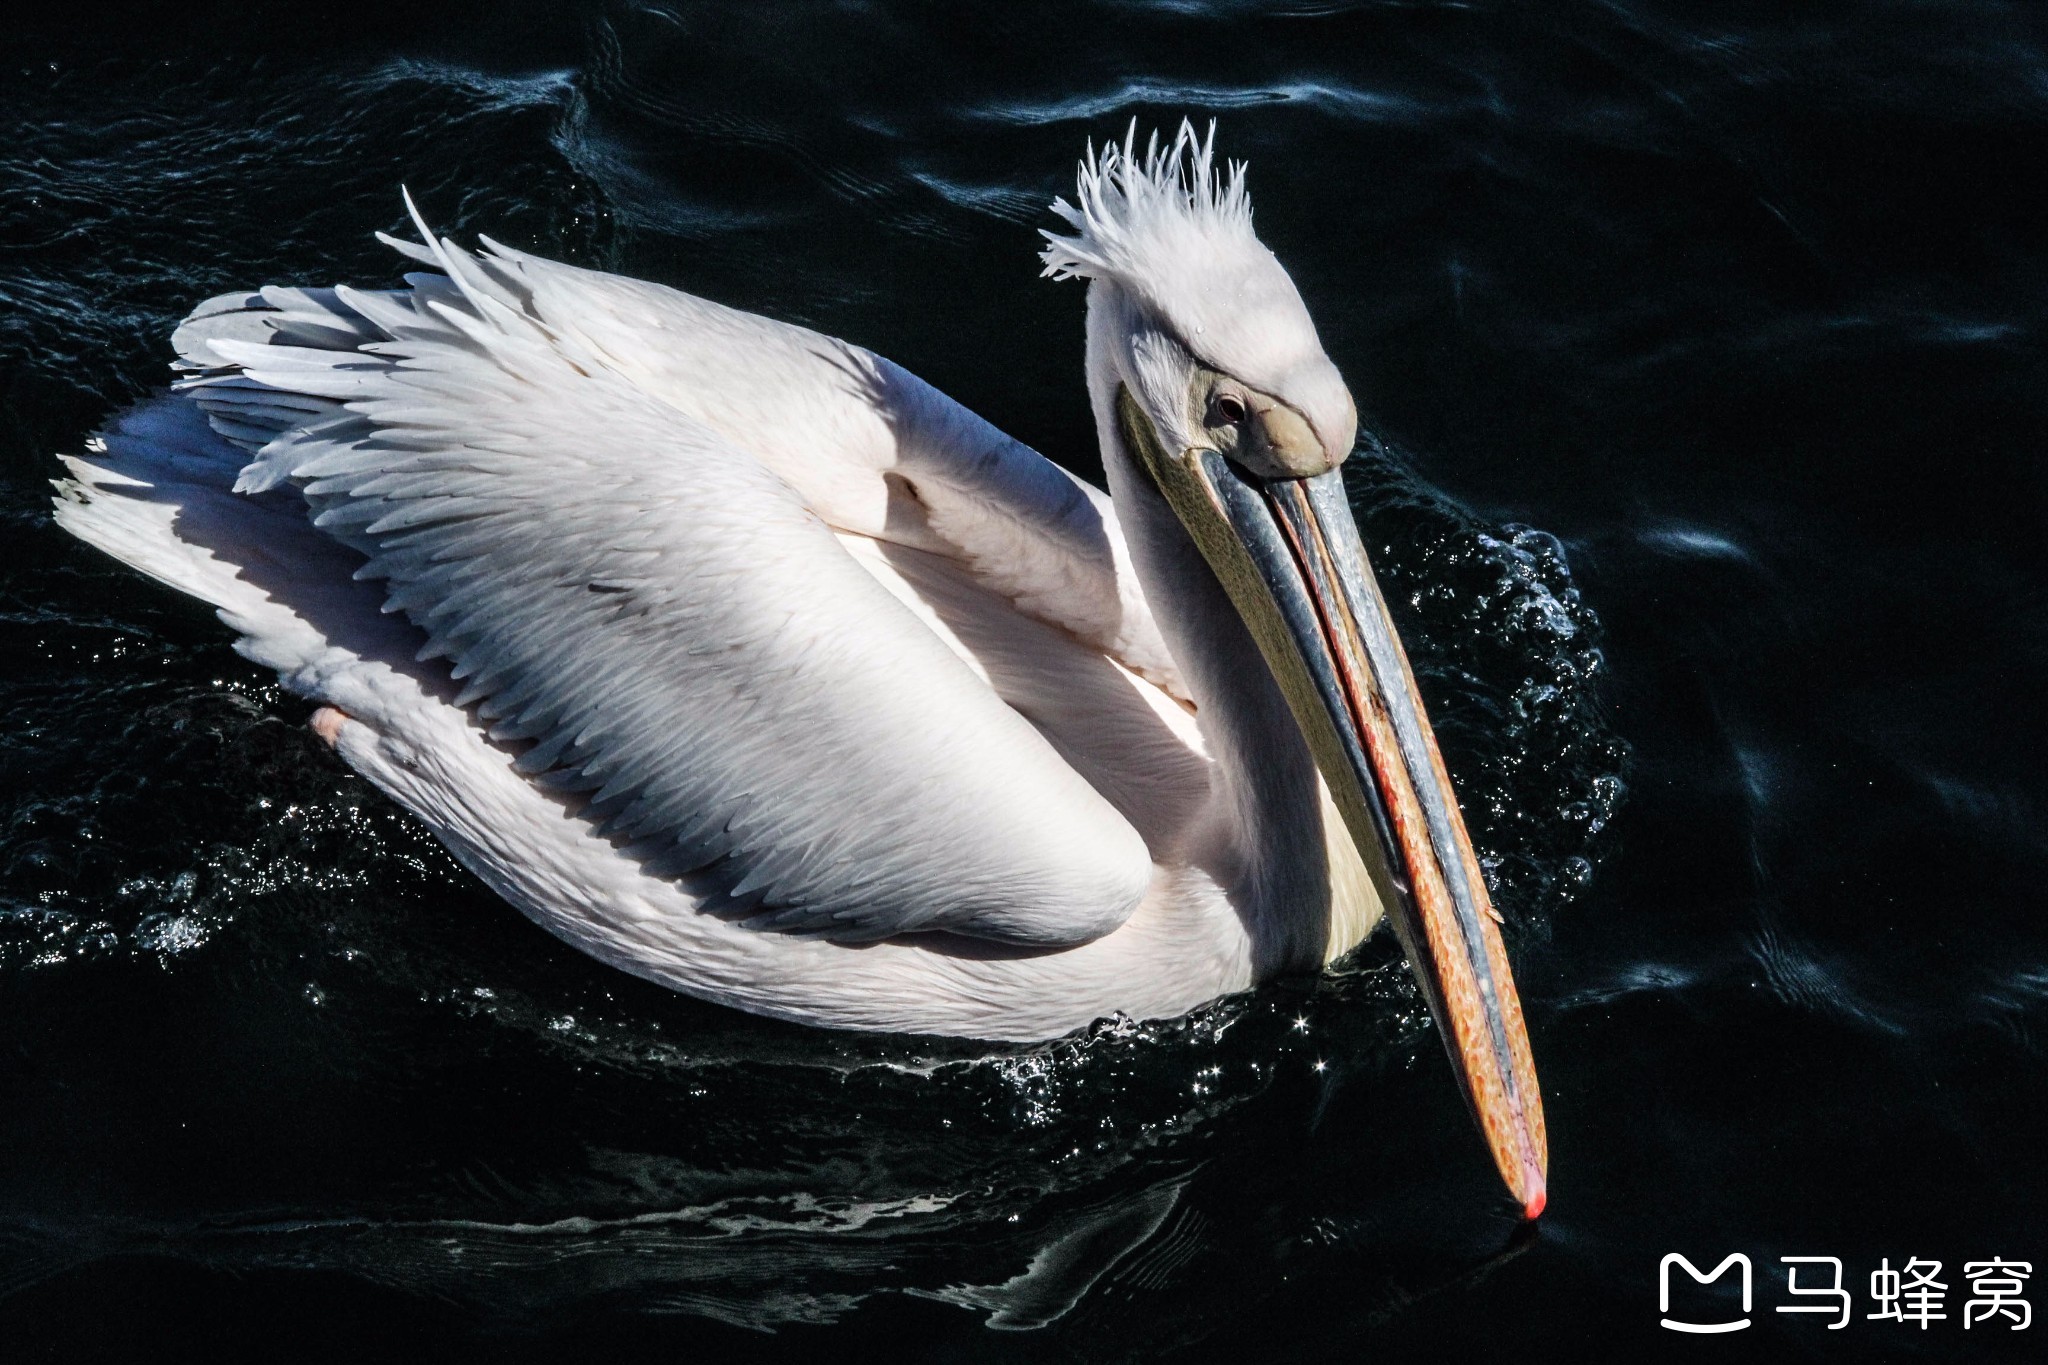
{"type": "Point", "coordinates": [1230, 408]}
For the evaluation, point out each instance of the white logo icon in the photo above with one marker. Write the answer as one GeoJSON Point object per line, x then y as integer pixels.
{"type": "Point", "coordinates": [1664, 1291]}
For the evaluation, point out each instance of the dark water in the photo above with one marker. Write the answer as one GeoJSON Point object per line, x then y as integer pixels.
{"type": "Point", "coordinates": [1708, 355]}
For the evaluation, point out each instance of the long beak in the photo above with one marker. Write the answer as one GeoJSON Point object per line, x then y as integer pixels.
{"type": "Point", "coordinates": [1288, 553]}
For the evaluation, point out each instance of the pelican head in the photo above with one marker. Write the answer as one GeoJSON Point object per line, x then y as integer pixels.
{"type": "Point", "coordinates": [1206, 363]}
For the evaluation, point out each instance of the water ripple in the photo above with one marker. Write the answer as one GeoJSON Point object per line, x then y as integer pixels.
{"type": "Point", "coordinates": [1150, 92]}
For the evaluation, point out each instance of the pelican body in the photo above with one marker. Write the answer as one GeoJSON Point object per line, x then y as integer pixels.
{"type": "Point", "coordinates": [751, 664]}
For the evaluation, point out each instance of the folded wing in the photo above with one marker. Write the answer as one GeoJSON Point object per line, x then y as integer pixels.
{"type": "Point", "coordinates": [657, 606]}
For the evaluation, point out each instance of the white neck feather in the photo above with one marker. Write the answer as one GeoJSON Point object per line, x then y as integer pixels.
{"type": "Point", "coordinates": [1262, 837]}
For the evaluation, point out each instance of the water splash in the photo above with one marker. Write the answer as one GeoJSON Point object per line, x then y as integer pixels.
{"type": "Point", "coordinates": [1508, 657]}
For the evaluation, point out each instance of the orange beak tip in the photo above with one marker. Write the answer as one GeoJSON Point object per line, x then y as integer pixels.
{"type": "Point", "coordinates": [1533, 1210]}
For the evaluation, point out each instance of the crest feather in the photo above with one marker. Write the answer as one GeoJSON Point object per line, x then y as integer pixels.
{"type": "Point", "coordinates": [1174, 233]}
{"type": "Point", "coordinates": [1132, 205]}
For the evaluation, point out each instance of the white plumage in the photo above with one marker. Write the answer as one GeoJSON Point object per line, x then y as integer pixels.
{"type": "Point", "coordinates": [745, 660]}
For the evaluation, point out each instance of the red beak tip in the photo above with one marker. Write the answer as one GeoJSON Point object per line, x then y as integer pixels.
{"type": "Point", "coordinates": [1533, 1209]}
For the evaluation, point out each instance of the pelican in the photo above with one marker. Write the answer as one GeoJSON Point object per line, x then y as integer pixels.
{"type": "Point", "coordinates": [749, 663]}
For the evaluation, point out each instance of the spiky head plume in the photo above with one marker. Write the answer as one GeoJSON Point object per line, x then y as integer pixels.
{"type": "Point", "coordinates": [1175, 234]}
{"type": "Point", "coordinates": [1135, 211]}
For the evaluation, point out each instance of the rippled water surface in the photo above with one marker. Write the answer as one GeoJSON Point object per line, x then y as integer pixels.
{"type": "Point", "coordinates": [1704, 360]}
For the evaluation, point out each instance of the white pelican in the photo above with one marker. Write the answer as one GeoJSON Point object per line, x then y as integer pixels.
{"type": "Point", "coordinates": [749, 663]}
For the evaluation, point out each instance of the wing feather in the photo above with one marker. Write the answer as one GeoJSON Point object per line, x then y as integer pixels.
{"type": "Point", "coordinates": [668, 623]}
{"type": "Point", "coordinates": [872, 448]}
